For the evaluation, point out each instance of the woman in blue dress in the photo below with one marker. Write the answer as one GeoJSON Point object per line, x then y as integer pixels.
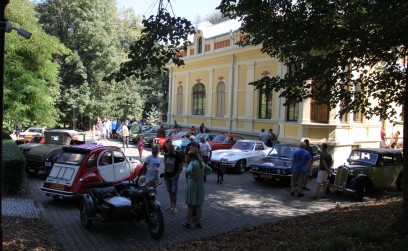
{"type": "Point", "coordinates": [195, 187]}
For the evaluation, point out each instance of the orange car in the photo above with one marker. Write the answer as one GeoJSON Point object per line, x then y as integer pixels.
{"type": "Point", "coordinates": [224, 141]}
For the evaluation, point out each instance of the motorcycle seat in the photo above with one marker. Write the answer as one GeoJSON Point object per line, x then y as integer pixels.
{"type": "Point", "coordinates": [103, 193]}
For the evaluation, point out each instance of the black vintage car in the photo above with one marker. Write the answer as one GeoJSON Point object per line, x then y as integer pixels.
{"type": "Point", "coordinates": [277, 164]}
{"type": "Point", "coordinates": [367, 169]}
{"type": "Point", "coordinates": [41, 157]}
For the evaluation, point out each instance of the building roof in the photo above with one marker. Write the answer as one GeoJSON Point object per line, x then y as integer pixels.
{"type": "Point", "coordinates": [210, 30]}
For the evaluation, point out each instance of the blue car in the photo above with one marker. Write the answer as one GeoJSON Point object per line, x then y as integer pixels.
{"type": "Point", "coordinates": [181, 144]}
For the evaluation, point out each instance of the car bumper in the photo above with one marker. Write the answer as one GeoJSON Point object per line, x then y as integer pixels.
{"type": "Point", "coordinates": [59, 193]}
{"type": "Point", "coordinates": [275, 176]}
{"type": "Point", "coordinates": [217, 165]}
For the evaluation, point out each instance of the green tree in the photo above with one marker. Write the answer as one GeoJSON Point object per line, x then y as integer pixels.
{"type": "Point", "coordinates": [339, 44]}
{"type": "Point", "coordinates": [31, 74]}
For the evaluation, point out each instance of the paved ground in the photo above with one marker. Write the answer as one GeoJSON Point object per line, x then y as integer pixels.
{"type": "Point", "coordinates": [239, 202]}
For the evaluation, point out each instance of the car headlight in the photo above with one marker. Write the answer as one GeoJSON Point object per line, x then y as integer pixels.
{"type": "Point", "coordinates": [278, 171]}
{"type": "Point", "coordinates": [283, 171]}
{"type": "Point", "coordinates": [255, 168]}
{"type": "Point", "coordinates": [141, 180]}
{"type": "Point", "coordinates": [151, 192]}
{"type": "Point", "coordinates": [224, 161]}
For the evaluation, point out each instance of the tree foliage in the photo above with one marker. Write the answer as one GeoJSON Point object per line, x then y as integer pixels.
{"type": "Point", "coordinates": [31, 74]}
{"type": "Point", "coordinates": [355, 50]}
{"type": "Point", "coordinates": [163, 37]}
{"type": "Point", "coordinates": [340, 44]}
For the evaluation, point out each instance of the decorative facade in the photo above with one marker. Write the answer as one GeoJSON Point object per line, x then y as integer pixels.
{"type": "Point", "coordinates": [212, 88]}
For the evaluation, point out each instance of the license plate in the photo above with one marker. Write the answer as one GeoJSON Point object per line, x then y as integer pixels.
{"type": "Point", "coordinates": [48, 164]}
{"type": "Point", "coordinates": [57, 186]}
{"type": "Point", "coordinates": [265, 176]}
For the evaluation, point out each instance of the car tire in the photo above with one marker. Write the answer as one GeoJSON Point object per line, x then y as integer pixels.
{"type": "Point", "coordinates": [240, 166]}
{"type": "Point", "coordinates": [31, 171]}
{"type": "Point", "coordinates": [85, 221]}
{"type": "Point", "coordinates": [361, 190]}
{"type": "Point", "coordinates": [400, 182]}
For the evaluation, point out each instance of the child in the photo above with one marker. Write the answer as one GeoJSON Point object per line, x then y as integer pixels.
{"type": "Point", "coordinates": [140, 146]}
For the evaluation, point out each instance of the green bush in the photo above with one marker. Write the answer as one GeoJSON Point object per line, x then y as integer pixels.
{"type": "Point", "coordinates": [339, 243]}
{"type": "Point", "coordinates": [362, 231]}
{"type": "Point", "coordinates": [5, 135]}
{"type": "Point", "coordinates": [13, 168]}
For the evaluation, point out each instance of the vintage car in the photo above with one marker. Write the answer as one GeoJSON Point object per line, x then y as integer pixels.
{"type": "Point", "coordinates": [35, 139]}
{"type": "Point", "coordinates": [224, 141]}
{"type": "Point", "coordinates": [368, 168]}
{"type": "Point", "coordinates": [277, 164]}
{"type": "Point", "coordinates": [79, 165]}
{"type": "Point", "coordinates": [170, 133]}
{"type": "Point", "coordinates": [40, 157]}
{"type": "Point", "coordinates": [242, 154]}
{"type": "Point", "coordinates": [27, 135]}
{"type": "Point", "coordinates": [181, 144]}
{"type": "Point", "coordinates": [149, 135]}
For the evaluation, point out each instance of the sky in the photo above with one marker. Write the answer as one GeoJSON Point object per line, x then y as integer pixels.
{"type": "Point", "coordinates": [189, 9]}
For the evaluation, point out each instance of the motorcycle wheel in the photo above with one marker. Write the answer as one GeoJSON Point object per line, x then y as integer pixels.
{"type": "Point", "coordinates": [156, 223]}
{"type": "Point", "coordinates": [85, 221]}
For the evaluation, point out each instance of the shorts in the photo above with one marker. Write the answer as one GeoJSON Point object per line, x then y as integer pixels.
{"type": "Point", "coordinates": [322, 176]}
{"type": "Point", "coordinates": [171, 184]}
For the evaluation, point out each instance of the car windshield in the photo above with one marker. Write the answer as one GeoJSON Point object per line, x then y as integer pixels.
{"type": "Point", "coordinates": [220, 138]}
{"type": "Point", "coordinates": [244, 146]}
{"type": "Point", "coordinates": [71, 158]}
{"type": "Point", "coordinates": [35, 130]}
{"type": "Point", "coordinates": [283, 151]}
{"type": "Point", "coordinates": [361, 156]}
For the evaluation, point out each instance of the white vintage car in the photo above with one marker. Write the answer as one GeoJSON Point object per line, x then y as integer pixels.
{"type": "Point", "coordinates": [240, 156]}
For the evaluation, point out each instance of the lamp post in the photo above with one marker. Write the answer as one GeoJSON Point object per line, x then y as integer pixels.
{"type": "Point", "coordinates": [3, 24]}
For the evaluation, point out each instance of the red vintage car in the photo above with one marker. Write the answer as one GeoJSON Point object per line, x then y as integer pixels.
{"type": "Point", "coordinates": [224, 141]}
{"type": "Point", "coordinates": [79, 165]}
{"type": "Point", "coordinates": [160, 142]}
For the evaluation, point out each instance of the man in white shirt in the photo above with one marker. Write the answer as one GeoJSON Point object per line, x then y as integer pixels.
{"type": "Point", "coordinates": [205, 150]}
{"type": "Point", "coordinates": [125, 135]}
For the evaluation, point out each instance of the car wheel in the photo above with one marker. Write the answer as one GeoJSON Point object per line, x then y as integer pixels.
{"type": "Point", "coordinates": [156, 223]}
{"type": "Point", "coordinates": [361, 190]}
{"type": "Point", "coordinates": [400, 182]}
{"type": "Point", "coordinates": [31, 171]}
{"type": "Point", "coordinates": [240, 166]}
{"type": "Point", "coordinates": [85, 221]}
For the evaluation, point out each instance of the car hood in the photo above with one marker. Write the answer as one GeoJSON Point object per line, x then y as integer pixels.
{"type": "Point", "coordinates": [230, 153]}
{"type": "Point", "coordinates": [181, 143]}
{"type": "Point", "coordinates": [29, 145]}
{"type": "Point", "coordinates": [43, 148]}
{"type": "Point", "coordinates": [273, 163]}
{"type": "Point", "coordinates": [358, 166]}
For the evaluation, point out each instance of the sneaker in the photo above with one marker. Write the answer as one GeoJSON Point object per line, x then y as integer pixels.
{"type": "Point", "coordinates": [306, 188]}
{"type": "Point", "coordinates": [300, 195]}
{"type": "Point", "coordinates": [174, 211]}
{"type": "Point", "coordinates": [169, 210]}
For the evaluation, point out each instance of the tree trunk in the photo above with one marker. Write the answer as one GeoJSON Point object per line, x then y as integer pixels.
{"type": "Point", "coordinates": [403, 222]}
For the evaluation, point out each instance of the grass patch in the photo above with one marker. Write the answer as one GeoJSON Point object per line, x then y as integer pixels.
{"type": "Point", "coordinates": [338, 243]}
{"type": "Point", "coordinates": [362, 231]}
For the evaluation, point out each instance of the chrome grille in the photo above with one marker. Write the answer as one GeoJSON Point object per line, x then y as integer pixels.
{"type": "Point", "coordinates": [341, 176]}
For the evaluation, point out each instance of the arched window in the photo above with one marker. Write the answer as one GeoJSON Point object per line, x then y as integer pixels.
{"type": "Point", "coordinates": [180, 99]}
{"type": "Point", "coordinates": [200, 45]}
{"type": "Point", "coordinates": [199, 99]}
{"type": "Point", "coordinates": [220, 99]}
{"type": "Point", "coordinates": [265, 103]}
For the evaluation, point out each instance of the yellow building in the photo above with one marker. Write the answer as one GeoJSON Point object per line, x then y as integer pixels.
{"type": "Point", "coordinates": [212, 88]}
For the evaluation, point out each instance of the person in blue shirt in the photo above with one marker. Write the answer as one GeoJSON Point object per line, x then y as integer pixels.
{"type": "Point", "coordinates": [300, 161]}
{"type": "Point", "coordinates": [114, 124]}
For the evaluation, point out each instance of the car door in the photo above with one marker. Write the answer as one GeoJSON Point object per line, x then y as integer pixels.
{"type": "Point", "coordinates": [383, 172]}
{"type": "Point", "coordinates": [113, 165]}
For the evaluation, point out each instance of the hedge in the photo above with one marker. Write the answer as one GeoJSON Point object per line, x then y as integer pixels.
{"type": "Point", "coordinates": [13, 168]}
